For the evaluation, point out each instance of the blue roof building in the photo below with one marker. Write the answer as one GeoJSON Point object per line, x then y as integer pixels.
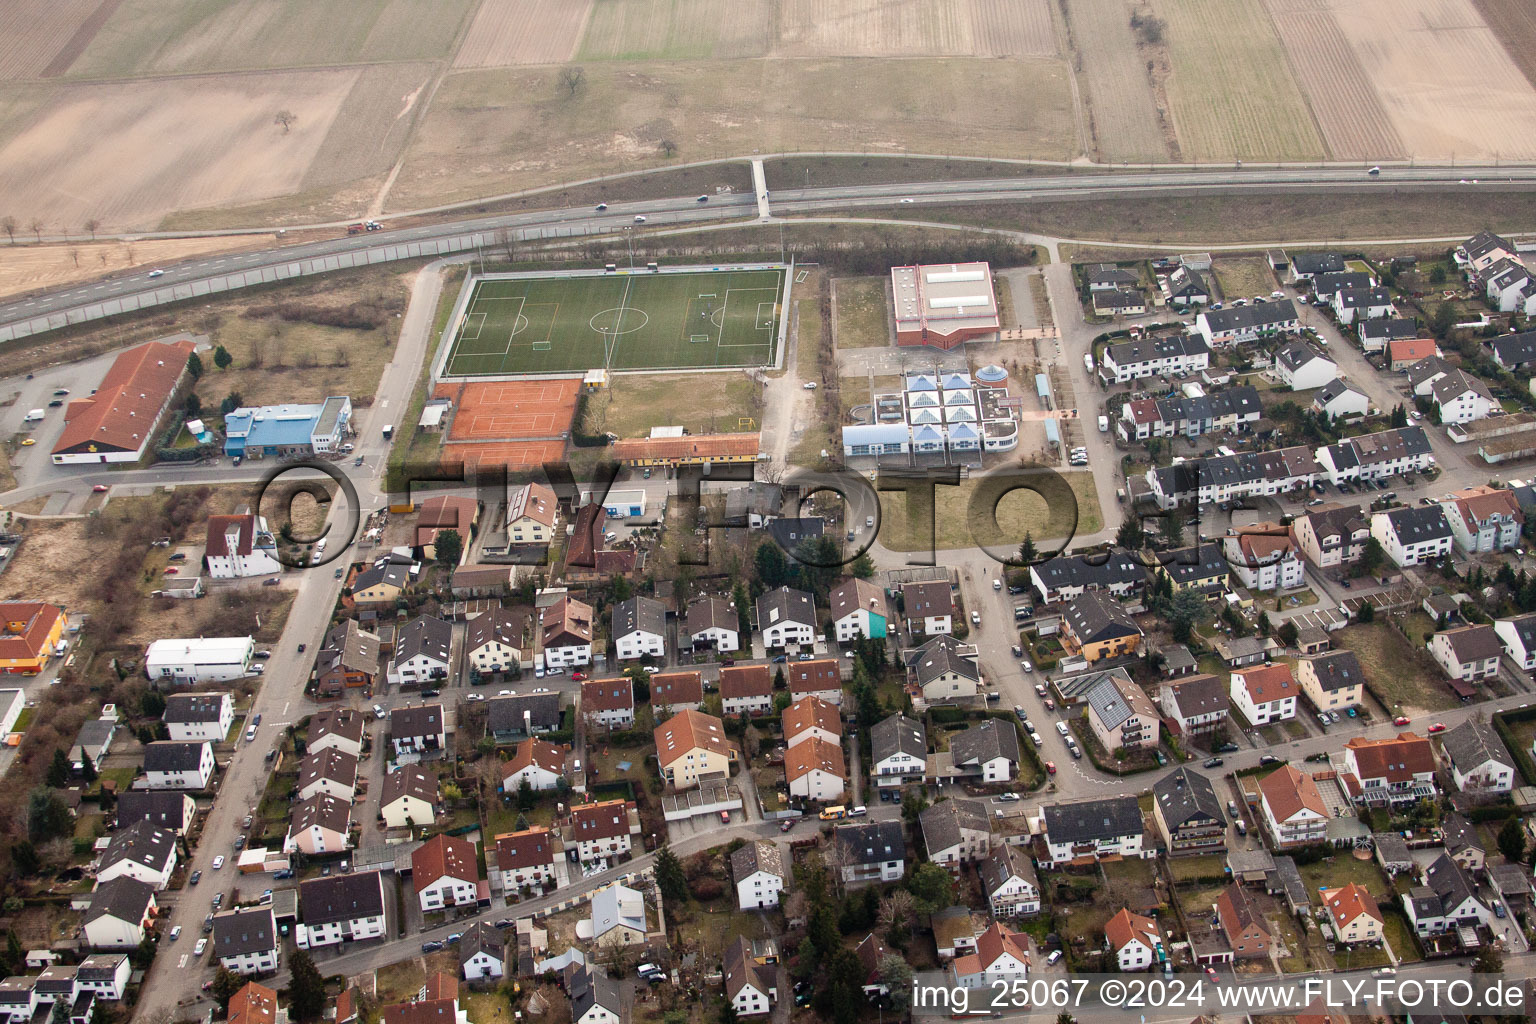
{"type": "Point", "coordinates": [287, 429]}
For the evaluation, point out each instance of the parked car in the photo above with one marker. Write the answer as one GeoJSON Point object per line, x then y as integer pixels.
{"type": "Point", "coordinates": [202, 944]}
{"type": "Point", "coordinates": [1009, 798]}
{"type": "Point", "coordinates": [1228, 748]}
{"type": "Point", "coordinates": [218, 862]}
{"type": "Point", "coordinates": [1269, 759]}
{"type": "Point", "coordinates": [1061, 727]}
{"type": "Point", "coordinates": [431, 947]}
{"type": "Point", "coordinates": [1214, 762]}
{"type": "Point", "coordinates": [1050, 769]}
{"type": "Point", "coordinates": [431, 693]}
{"type": "Point", "coordinates": [197, 876]}
{"type": "Point", "coordinates": [1401, 720]}
{"type": "Point", "coordinates": [789, 823]}
{"type": "Point", "coordinates": [1437, 727]}
{"type": "Point", "coordinates": [378, 711]}
{"type": "Point", "coordinates": [175, 934]}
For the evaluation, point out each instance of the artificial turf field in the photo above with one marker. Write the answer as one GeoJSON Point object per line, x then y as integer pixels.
{"type": "Point", "coordinates": [618, 322]}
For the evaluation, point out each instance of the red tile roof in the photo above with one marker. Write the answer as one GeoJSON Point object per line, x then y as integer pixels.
{"type": "Point", "coordinates": [1268, 683]}
{"type": "Point", "coordinates": [122, 412]}
{"type": "Point", "coordinates": [690, 448]}
{"type": "Point", "coordinates": [608, 694]}
{"type": "Point", "coordinates": [740, 681]}
{"type": "Point", "coordinates": [811, 713]}
{"type": "Point", "coordinates": [530, 848]}
{"type": "Point", "coordinates": [443, 856]}
{"type": "Point", "coordinates": [1350, 902]}
{"type": "Point", "coordinates": [1126, 926]}
{"type": "Point", "coordinates": [814, 676]}
{"type": "Point", "coordinates": [690, 730]}
{"type": "Point", "coordinates": [253, 1004]}
{"type": "Point", "coordinates": [812, 754]}
{"type": "Point", "coordinates": [24, 628]}
{"type": "Point", "coordinates": [1288, 791]}
{"type": "Point", "coordinates": [608, 819]}
{"type": "Point", "coordinates": [218, 535]}
{"type": "Point", "coordinates": [1397, 759]}
{"type": "Point", "coordinates": [1412, 349]}
{"type": "Point", "coordinates": [669, 688]}
{"type": "Point", "coordinates": [548, 756]}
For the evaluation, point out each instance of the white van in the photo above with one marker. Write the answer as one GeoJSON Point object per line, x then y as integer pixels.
{"type": "Point", "coordinates": [320, 545]}
{"type": "Point", "coordinates": [1061, 727]}
{"type": "Point", "coordinates": [1103, 424]}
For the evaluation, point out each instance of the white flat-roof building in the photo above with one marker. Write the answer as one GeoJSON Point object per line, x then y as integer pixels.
{"type": "Point", "coordinates": [213, 659]}
{"type": "Point", "coordinates": [943, 305]}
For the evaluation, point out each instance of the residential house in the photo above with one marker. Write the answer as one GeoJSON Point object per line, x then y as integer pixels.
{"type": "Point", "coordinates": [1166, 356]}
{"type": "Point", "coordinates": [1196, 704]}
{"type": "Point", "coordinates": [1199, 568]}
{"type": "Point", "coordinates": [1390, 771]}
{"type": "Point", "coordinates": [1090, 829]}
{"type": "Point", "coordinates": [1509, 287]}
{"type": "Point", "coordinates": [640, 628]}
{"type": "Point", "coordinates": [1462, 398]}
{"type": "Point", "coordinates": [321, 824]}
{"type": "Point", "coordinates": [1484, 519]}
{"type": "Point", "coordinates": [1353, 912]}
{"type": "Point", "coordinates": [1376, 335]}
{"type": "Point", "coordinates": [444, 872]}
{"type": "Point", "coordinates": [1405, 352]}
{"type": "Point", "coordinates": [482, 952]}
{"type": "Point", "coordinates": [531, 514]}
{"type": "Point", "coordinates": [1467, 653]}
{"type": "Point", "coordinates": [602, 830]}
{"type": "Point", "coordinates": [1327, 286]}
{"type": "Point", "coordinates": [873, 851]}
{"type": "Point", "coordinates": [340, 729]}
{"type": "Point", "coordinates": [609, 702]}
{"type": "Point", "coordinates": [1009, 879]}
{"type": "Point", "coordinates": [239, 546]}
{"type": "Point", "coordinates": [1188, 812]}
{"type": "Point", "coordinates": [785, 617]}
{"type": "Point", "coordinates": [139, 851]}
{"type": "Point", "coordinates": [1351, 304]}
{"type": "Point", "coordinates": [522, 714]}
{"type": "Point", "coordinates": [595, 997]}
{"type": "Point", "coordinates": [245, 940]}
{"type": "Point", "coordinates": [408, 797]}
{"type": "Point", "coordinates": [1291, 808]}
{"type": "Point", "coordinates": [1186, 287]}
{"type": "Point", "coordinates": [820, 678]}
{"type": "Point", "coordinates": [1238, 651]}
{"type": "Point", "coordinates": [1119, 302]}
{"type": "Point", "coordinates": [422, 653]}
{"type": "Point", "coordinates": [1425, 374]}
{"type": "Point", "coordinates": [120, 914]}
{"type": "Point", "coordinates": [757, 869]}
{"type": "Point", "coordinates": [328, 771]}
{"type": "Point", "coordinates": [1447, 900]}
{"type": "Point", "coordinates": [941, 672]}
{"type": "Point", "coordinates": [1095, 626]}
{"type": "Point", "coordinates": [1135, 940]}
{"type": "Point", "coordinates": [494, 641]}
{"type": "Point", "coordinates": [340, 908]}
{"type": "Point", "coordinates": [349, 659]}
{"type": "Point", "coordinates": [812, 718]}
{"type": "Point", "coordinates": [989, 750]}
{"type": "Point", "coordinates": [956, 832]}
{"type": "Point", "coordinates": [105, 974]}
{"type": "Point", "coordinates": [672, 692]}
{"type": "Point", "coordinates": [1307, 265]}
{"type": "Point", "coordinates": [172, 765]}
{"type": "Point", "coordinates": [712, 624]}
{"type": "Point", "coordinates": [1518, 635]}
{"type": "Point", "coordinates": [1375, 456]}
{"type": "Point", "coordinates": [814, 770]}
{"type": "Point", "coordinates": [381, 585]}
{"type": "Point", "coordinates": [898, 750]}
{"type": "Point", "coordinates": [440, 514]}
{"type": "Point", "coordinates": [1483, 250]}
{"type": "Point", "coordinates": [1301, 367]}
{"type": "Point", "coordinates": [1107, 277]}
{"type": "Point", "coordinates": [566, 633]}
{"type": "Point", "coordinates": [163, 809]}
{"type": "Point", "coordinates": [523, 861]}
{"type": "Point", "coordinates": [1413, 535]}
{"type": "Point", "coordinates": [691, 748]}
{"type": "Point", "coordinates": [618, 916]}
{"type": "Point", "coordinates": [540, 764]}
{"type": "Point", "coordinates": [1264, 558]}
{"type": "Point", "coordinates": [929, 607]}
{"type": "Point", "coordinates": [212, 659]}
{"type": "Point", "coordinates": [1332, 681]}
{"type": "Point", "coordinates": [750, 990]}
{"type": "Point", "coordinates": [1331, 535]}
{"type": "Point", "coordinates": [1515, 352]}
{"type": "Point", "coordinates": [746, 690]}
{"type": "Point", "coordinates": [417, 732]}
{"type": "Point", "coordinates": [1246, 323]}
{"type": "Point", "coordinates": [1244, 926]}
{"type": "Point", "coordinates": [30, 633]}
{"type": "Point", "coordinates": [205, 717]}
{"type": "Point", "coordinates": [1120, 714]}
{"type": "Point", "coordinates": [858, 611]}
{"type": "Point", "coordinates": [1461, 840]}
{"type": "Point", "coordinates": [1340, 400]}
{"type": "Point", "coordinates": [1265, 695]}
{"type": "Point", "coordinates": [1063, 578]}
{"type": "Point", "coordinates": [1001, 960]}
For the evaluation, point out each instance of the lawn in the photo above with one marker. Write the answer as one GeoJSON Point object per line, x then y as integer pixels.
{"type": "Point", "coordinates": [1403, 678]}
{"type": "Point", "coordinates": [1243, 278]}
{"type": "Point", "coordinates": [1187, 869]}
{"type": "Point", "coordinates": [528, 324]}
{"type": "Point", "coordinates": [486, 1007]}
{"type": "Point", "coordinates": [1131, 872]}
{"type": "Point", "coordinates": [1341, 869]}
{"type": "Point", "coordinates": [1400, 936]}
{"type": "Point", "coordinates": [862, 319]}
{"type": "Point", "coordinates": [1059, 512]}
{"type": "Point", "coordinates": [706, 403]}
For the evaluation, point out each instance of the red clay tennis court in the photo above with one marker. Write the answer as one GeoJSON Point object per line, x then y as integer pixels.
{"type": "Point", "coordinates": [515, 455]}
{"type": "Point", "coordinates": [510, 410]}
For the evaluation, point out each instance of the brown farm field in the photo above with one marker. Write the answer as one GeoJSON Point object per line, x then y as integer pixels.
{"type": "Point", "coordinates": [495, 131]}
{"type": "Point", "coordinates": [1343, 98]}
{"type": "Point", "coordinates": [676, 30]}
{"type": "Point", "coordinates": [1514, 22]}
{"type": "Point", "coordinates": [915, 28]}
{"type": "Point", "coordinates": [1113, 74]}
{"type": "Point", "coordinates": [523, 32]}
{"type": "Point", "coordinates": [1447, 84]}
{"type": "Point", "coordinates": [169, 144]}
{"type": "Point", "coordinates": [178, 36]}
{"type": "Point", "coordinates": [35, 33]}
{"type": "Point", "coordinates": [1231, 90]}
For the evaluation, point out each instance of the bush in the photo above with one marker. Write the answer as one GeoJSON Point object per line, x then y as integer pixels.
{"type": "Point", "coordinates": [706, 888]}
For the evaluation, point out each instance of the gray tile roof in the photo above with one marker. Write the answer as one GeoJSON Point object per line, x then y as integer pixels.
{"type": "Point", "coordinates": [427, 636]}
{"type": "Point", "coordinates": [482, 937]}
{"type": "Point", "coordinates": [943, 823]}
{"type": "Point", "coordinates": [1095, 617]}
{"type": "Point", "coordinates": [124, 898]}
{"type": "Point", "coordinates": [1003, 862]}
{"type": "Point", "coordinates": [505, 714]}
{"type": "Point", "coordinates": [1186, 796]}
{"type": "Point", "coordinates": [161, 808]}
{"type": "Point", "coordinates": [897, 734]}
{"type": "Point", "coordinates": [193, 707]}
{"type": "Point", "coordinates": [941, 655]}
{"type": "Point", "coordinates": [140, 843]}
{"type": "Point", "coordinates": [871, 843]}
{"type": "Point", "coordinates": [711, 613]}
{"type": "Point", "coordinates": [985, 742]}
{"type": "Point", "coordinates": [341, 898]}
{"type": "Point", "coordinates": [1337, 670]}
{"type": "Point", "coordinates": [173, 756]}
{"type": "Point", "coordinates": [248, 930]}
{"type": "Point", "coordinates": [1417, 524]}
{"type": "Point", "coordinates": [639, 614]}
{"type": "Point", "coordinates": [785, 605]}
{"type": "Point", "coordinates": [762, 855]}
{"type": "Point", "coordinates": [1093, 819]}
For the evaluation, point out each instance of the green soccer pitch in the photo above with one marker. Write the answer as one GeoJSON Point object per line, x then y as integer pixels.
{"type": "Point", "coordinates": [639, 321]}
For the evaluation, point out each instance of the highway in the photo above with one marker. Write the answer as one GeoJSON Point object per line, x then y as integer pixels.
{"type": "Point", "coordinates": [683, 211]}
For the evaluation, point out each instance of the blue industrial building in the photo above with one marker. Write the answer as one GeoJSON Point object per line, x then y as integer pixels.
{"type": "Point", "coordinates": [274, 430]}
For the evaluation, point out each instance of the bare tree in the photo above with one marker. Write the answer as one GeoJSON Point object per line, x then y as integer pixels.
{"type": "Point", "coordinates": [36, 227]}
{"type": "Point", "coordinates": [74, 254]}
{"type": "Point", "coordinates": [668, 148]}
{"type": "Point", "coordinates": [93, 225]}
{"type": "Point", "coordinates": [572, 78]}
{"type": "Point", "coordinates": [8, 225]}
{"type": "Point", "coordinates": [285, 118]}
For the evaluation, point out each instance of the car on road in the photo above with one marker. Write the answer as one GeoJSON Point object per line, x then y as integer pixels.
{"type": "Point", "coordinates": [639, 218]}
{"type": "Point", "coordinates": [197, 876]}
{"type": "Point", "coordinates": [357, 461]}
{"type": "Point", "coordinates": [256, 720]}
{"type": "Point", "coordinates": [725, 817]}
{"type": "Point", "coordinates": [198, 949]}
{"type": "Point", "coordinates": [250, 732]}
{"type": "Point", "coordinates": [601, 207]}
{"type": "Point", "coordinates": [207, 924]}
{"type": "Point", "coordinates": [1027, 666]}
{"type": "Point", "coordinates": [1040, 690]}
{"type": "Point", "coordinates": [474, 696]}
{"type": "Point", "coordinates": [1401, 720]}
{"type": "Point", "coordinates": [274, 581]}
{"type": "Point", "coordinates": [1018, 652]}
{"type": "Point", "coordinates": [1028, 725]}
{"type": "Point", "coordinates": [100, 488]}
{"type": "Point", "coordinates": [171, 570]}
{"type": "Point", "coordinates": [239, 843]}
{"type": "Point", "coordinates": [153, 274]}
{"type": "Point", "coordinates": [789, 823]}
{"type": "Point", "coordinates": [432, 947]}
{"type": "Point", "coordinates": [1314, 502]}
{"type": "Point", "coordinates": [908, 200]}
{"type": "Point", "coordinates": [1374, 171]}
{"type": "Point", "coordinates": [1075, 750]}
{"type": "Point", "coordinates": [455, 937]}
{"type": "Point", "coordinates": [303, 648]}
{"type": "Point", "coordinates": [810, 385]}
{"type": "Point", "coordinates": [1268, 759]}
{"type": "Point", "coordinates": [431, 693]}
{"type": "Point", "coordinates": [702, 199]}
{"type": "Point", "coordinates": [175, 933]}
{"type": "Point", "coordinates": [505, 922]}
{"type": "Point", "coordinates": [1437, 727]}
{"type": "Point", "coordinates": [577, 677]}
{"type": "Point", "coordinates": [777, 658]}
{"type": "Point", "coordinates": [378, 711]}
{"type": "Point", "coordinates": [249, 818]}
{"type": "Point", "coordinates": [1018, 712]}
{"type": "Point", "coordinates": [218, 900]}
{"type": "Point", "coordinates": [262, 655]}
{"type": "Point", "coordinates": [1228, 748]}
{"type": "Point", "coordinates": [1061, 727]}
{"type": "Point", "coordinates": [1214, 762]}
{"type": "Point", "coordinates": [1050, 705]}
{"type": "Point", "coordinates": [218, 862]}
{"type": "Point", "coordinates": [1009, 798]}
{"type": "Point", "coordinates": [1050, 768]}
